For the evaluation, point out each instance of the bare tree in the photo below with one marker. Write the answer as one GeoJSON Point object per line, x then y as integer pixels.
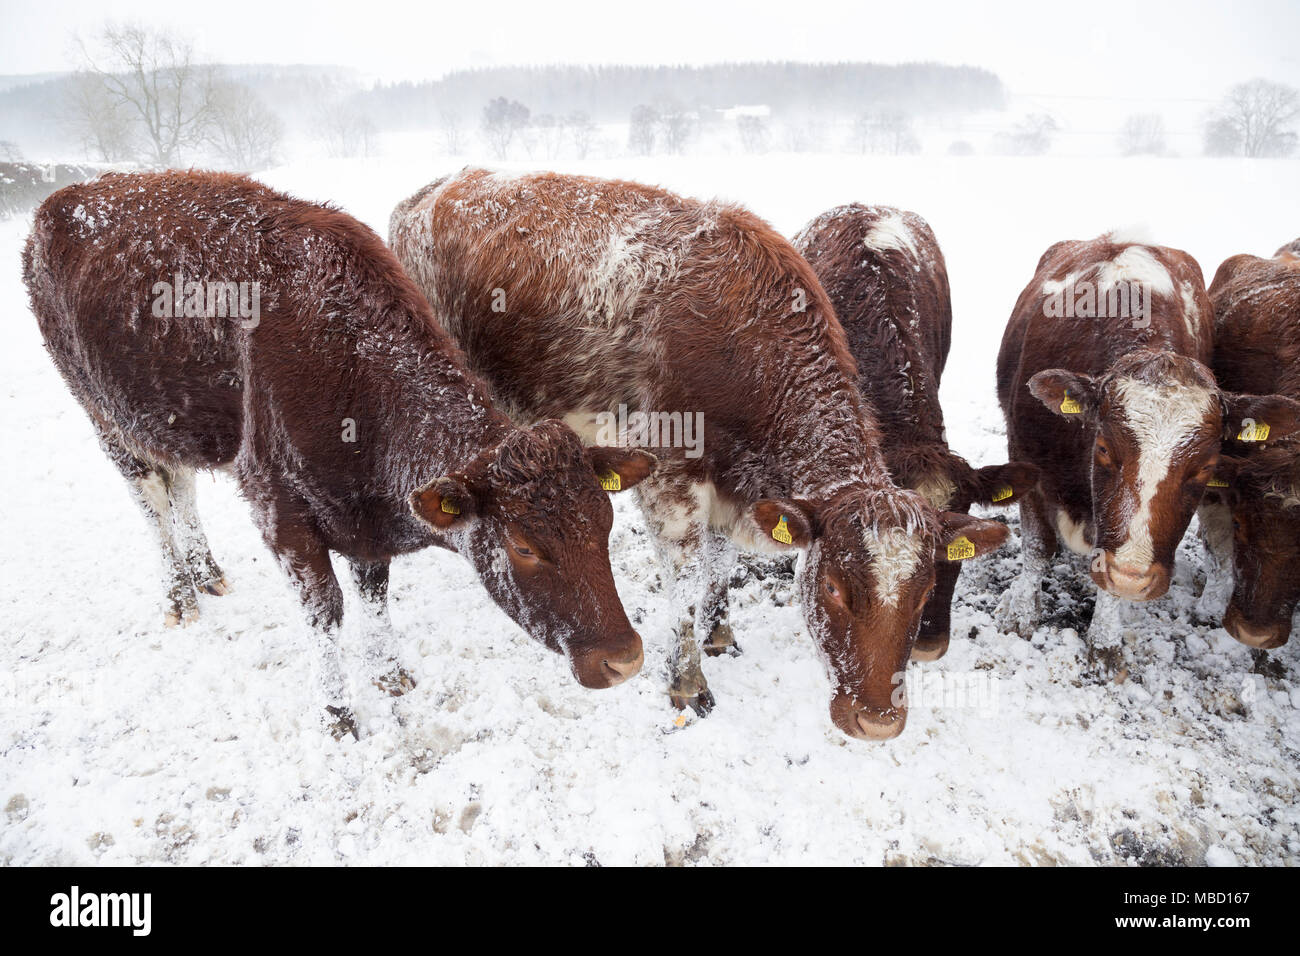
{"type": "Point", "coordinates": [345, 131]}
{"type": "Point", "coordinates": [753, 133]}
{"type": "Point", "coordinates": [886, 131]}
{"type": "Point", "coordinates": [1032, 136]}
{"type": "Point", "coordinates": [1255, 119]}
{"type": "Point", "coordinates": [103, 125]}
{"type": "Point", "coordinates": [1142, 134]}
{"type": "Point", "coordinates": [9, 151]}
{"type": "Point", "coordinates": [550, 133]}
{"type": "Point", "coordinates": [152, 77]}
{"type": "Point", "coordinates": [502, 121]}
{"type": "Point", "coordinates": [642, 130]}
{"type": "Point", "coordinates": [453, 132]}
{"type": "Point", "coordinates": [245, 132]}
{"type": "Point", "coordinates": [582, 131]}
{"type": "Point", "coordinates": [677, 126]}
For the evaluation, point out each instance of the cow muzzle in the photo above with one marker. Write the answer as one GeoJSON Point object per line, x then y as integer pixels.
{"type": "Point", "coordinates": [867, 723]}
{"type": "Point", "coordinates": [610, 663]}
{"type": "Point", "coordinates": [1132, 582]}
{"type": "Point", "coordinates": [1263, 636]}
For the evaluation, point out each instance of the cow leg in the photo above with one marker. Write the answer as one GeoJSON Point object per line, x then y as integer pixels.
{"type": "Point", "coordinates": [1215, 522]}
{"type": "Point", "coordinates": [371, 578]}
{"type": "Point", "coordinates": [306, 561]}
{"type": "Point", "coordinates": [1020, 608]}
{"type": "Point", "coordinates": [1105, 636]}
{"type": "Point", "coordinates": [150, 486]}
{"type": "Point", "coordinates": [188, 533]}
{"type": "Point", "coordinates": [678, 525]}
{"type": "Point", "coordinates": [712, 617]}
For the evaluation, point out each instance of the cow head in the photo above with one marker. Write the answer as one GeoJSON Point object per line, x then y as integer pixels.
{"type": "Point", "coordinates": [867, 570]}
{"type": "Point", "coordinates": [533, 517]}
{"type": "Point", "coordinates": [1154, 424]}
{"type": "Point", "coordinates": [1261, 489]}
{"type": "Point", "coordinates": [948, 483]}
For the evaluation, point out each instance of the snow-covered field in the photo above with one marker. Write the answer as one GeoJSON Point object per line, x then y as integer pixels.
{"type": "Point", "coordinates": [124, 742]}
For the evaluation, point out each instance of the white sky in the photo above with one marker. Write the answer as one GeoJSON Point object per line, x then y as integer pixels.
{"type": "Point", "coordinates": [1147, 49]}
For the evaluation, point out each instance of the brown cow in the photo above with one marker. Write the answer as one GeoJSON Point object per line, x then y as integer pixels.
{"type": "Point", "coordinates": [574, 296]}
{"type": "Point", "coordinates": [1253, 524]}
{"type": "Point", "coordinates": [1104, 380]}
{"type": "Point", "coordinates": [344, 410]}
{"type": "Point", "coordinates": [885, 275]}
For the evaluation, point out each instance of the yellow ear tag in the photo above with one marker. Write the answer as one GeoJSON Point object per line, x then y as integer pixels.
{"type": "Point", "coordinates": [610, 481]}
{"type": "Point", "coordinates": [961, 549]}
{"type": "Point", "coordinates": [1003, 493]}
{"type": "Point", "coordinates": [449, 507]}
{"type": "Point", "coordinates": [680, 721]}
{"type": "Point", "coordinates": [782, 532]}
{"type": "Point", "coordinates": [1256, 432]}
{"type": "Point", "coordinates": [1069, 406]}
{"type": "Point", "coordinates": [1216, 483]}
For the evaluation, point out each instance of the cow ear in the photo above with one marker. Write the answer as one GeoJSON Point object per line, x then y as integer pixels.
{"type": "Point", "coordinates": [1003, 484]}
{"type": "Point", "coordinates": [784, 523]}
{"type": "Point", "coordinates": [444, 503]}
{"type": "Point", "coordinates": [1222, 486]}
{"type": "Point", "coordinates": [1068, 394]}
{"type": "Point", "coordinates": [1258, 418]}
{"type": "Point", "coordinates": [962, 537]}
{"type": "Point", "coordinates": [618, 469]}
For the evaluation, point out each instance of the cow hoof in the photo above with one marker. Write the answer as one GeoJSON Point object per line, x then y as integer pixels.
{"type": "Point", "coordinates": [396, 682]}
{"type": "Point", "coordinates": [721, 641]}
{"type": "Point", "coordinates": [181, 615]}
{"type": "Point", "coordinates": [218, 587]}
{"type": "Point", "coordinates": [930, 648]}
{"type": "Point", "coordinates": [340, 722]}
{"type": "Point", "coordinates": [1106, 664]}
{"type": "Point", "coordinates": [701, 703]}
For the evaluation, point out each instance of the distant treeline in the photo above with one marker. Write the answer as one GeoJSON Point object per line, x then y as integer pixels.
{"type": "Point", "coordinates": [610, 93]}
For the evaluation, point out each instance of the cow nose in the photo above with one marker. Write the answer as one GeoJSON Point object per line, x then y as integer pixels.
{"type": "Point", "coordinates": [1263, 636]}
{"type": "Point", "coordinates": [1133, 582]}
{"type": "Point", "coordinates": [618, 671]}
{"type": "Point", "coordinates": [611, 662]}
{"type": "Point", "coordinates": [878, 725]}
{"type": "Point", "coordinates": [930, 647]}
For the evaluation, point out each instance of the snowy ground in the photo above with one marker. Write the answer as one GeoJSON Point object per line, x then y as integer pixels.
{"type": "Point", "coordinates": [123, 742]}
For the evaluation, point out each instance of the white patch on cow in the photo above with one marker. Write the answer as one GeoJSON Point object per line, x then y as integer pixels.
{"type": "Point", "coordinates": [891, 231]}
{"type": "Point", "coordinates": [1162, 418]}
{"type": "Point", "coordinates": [153, 490]}
{"type": "Point", "coordinates": [937, 489]}
{"type": "Point", "coordinates": [1057, 286]}
{"type": "Point", "coordinates": [1135, 264]}
{"type": "Point", "coordinates": [586, 424]}
{"type": "Point", "coordinates": [1073, 533]}
{"type": "Point", "coordinates": [895, 555]}
{"type": "Point", "coordinates": [1191, 312]}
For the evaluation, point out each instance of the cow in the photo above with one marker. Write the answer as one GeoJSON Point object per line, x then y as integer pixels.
{"type": "Point", "coordinates": [578, 297]}
{"type": "Point", "coordinates": [1251, 518]}
{"type": "Point", "coordinates": [1104, 380]}
{"type": "Point", "coordinates": [345, 412]}
{"type": "Point", "coordinates": [885, 276]}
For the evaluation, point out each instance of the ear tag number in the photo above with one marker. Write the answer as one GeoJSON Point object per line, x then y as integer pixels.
{"type": "Point", "coordinates": [449, 507]}
{"type": "Point", "coordinates": [610, 481]}
{"type": "Point", "coordinates": [782, 532]}
{"type": "Point", "coordinates": [1003, 493]}
{"type": "Point", "coordinates": [1216, 483]}
{"type": "Point", "coordinates": [1069, 406]}
{"type": "Point", "coordinates": [961, 549]}
{"type": "Point", "coordinates": [1255, 431]}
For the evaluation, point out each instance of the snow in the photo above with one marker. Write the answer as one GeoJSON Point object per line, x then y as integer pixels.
{"type": "Point", "coordinates": [125, 742]}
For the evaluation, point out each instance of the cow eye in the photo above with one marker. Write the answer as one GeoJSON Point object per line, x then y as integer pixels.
{"type": "Point", "coordinates": [1103, 454]}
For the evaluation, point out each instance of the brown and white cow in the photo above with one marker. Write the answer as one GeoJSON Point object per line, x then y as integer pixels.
{"type": "Point", "coordinates": [886, 278]}
{"type": "Point", "coordinates": [1104, 380]}
{"type": "Point", "coordinates": [575, 295]}
{"type": "Point", "coordinates": [1253, 522]}
{"type": "Point", "coordinates": [343, 408]}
